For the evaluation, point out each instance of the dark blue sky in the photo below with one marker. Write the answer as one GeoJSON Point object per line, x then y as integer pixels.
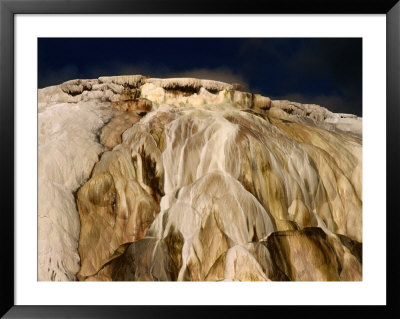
{"type": "Point", "coordinates": [325, 71]}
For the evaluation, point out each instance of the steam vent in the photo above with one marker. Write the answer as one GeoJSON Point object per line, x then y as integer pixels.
{"type": "Point", "coordinates": [183, 179]}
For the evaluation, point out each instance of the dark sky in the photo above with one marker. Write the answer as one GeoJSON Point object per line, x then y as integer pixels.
{"type": "Point", "coordinates": [325, 71]}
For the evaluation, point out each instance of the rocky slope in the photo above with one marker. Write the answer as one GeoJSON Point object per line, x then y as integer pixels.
{"type": "Point", "coordinates": [188, 179]}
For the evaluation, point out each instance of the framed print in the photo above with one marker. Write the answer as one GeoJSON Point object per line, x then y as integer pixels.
{"type": "Point", "coordinates": [232, 149]}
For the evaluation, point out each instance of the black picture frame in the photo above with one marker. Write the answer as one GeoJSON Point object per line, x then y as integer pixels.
{"type": "Point", "coordinates": [8, 10]}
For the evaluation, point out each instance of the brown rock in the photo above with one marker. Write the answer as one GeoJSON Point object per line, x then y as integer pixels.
{"type": "Point", "coordinates": [114, 210]}
{"type": "Point", "coordinates": [111, 133]}
{"type": "Point", "coordinates": [304, 255]}
{"type": "Point", "coordinates": [134, 105]}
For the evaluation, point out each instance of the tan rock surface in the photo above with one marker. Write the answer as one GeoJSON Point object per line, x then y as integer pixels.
{"type": "Point", "coordinates": [188, 179]}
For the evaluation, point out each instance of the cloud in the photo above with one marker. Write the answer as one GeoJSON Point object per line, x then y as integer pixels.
{"type": "Point", "coordinates": [54, 77]}
{"type": "Point", "coordinates": [218, 74]}
{"type": "Point", "coordinates": [339, 60]}
{"type": "Point", "coordinates": [325, 71]}
{"type": "Point", "coordinates": [144, 68]}
{"type": "Point", "coordinates": [163, 71]}
{"type": "Point", "coordinates": [333, 103]}
{"type": "Point", "coordinates": [69, 72]}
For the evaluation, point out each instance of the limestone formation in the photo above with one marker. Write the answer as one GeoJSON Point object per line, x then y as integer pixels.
{"type": "Point", "coordinates": [146, 179]}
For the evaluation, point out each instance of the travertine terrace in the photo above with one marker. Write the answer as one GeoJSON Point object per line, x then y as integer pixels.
{"type": "Point", "coordinates": [188, 179]}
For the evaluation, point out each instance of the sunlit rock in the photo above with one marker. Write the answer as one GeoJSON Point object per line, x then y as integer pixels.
{"type": "Point", "coordinates": [67, 151]}
{"type": "Point", "coordinates": [186, 179]}
{"type": "Point", "coordinates": [124, 80]}
{"type": "Point", "coordinates": [309, 255]}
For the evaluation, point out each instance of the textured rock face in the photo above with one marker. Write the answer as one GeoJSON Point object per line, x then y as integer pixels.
{"type": "Point", "coordinates": [188, 179]}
